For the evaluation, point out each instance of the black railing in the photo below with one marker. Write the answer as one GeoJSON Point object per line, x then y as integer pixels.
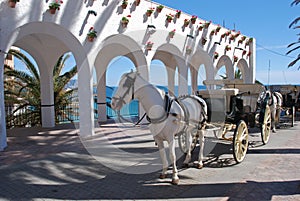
{"type": "Point", "coordinates": [66, 114]}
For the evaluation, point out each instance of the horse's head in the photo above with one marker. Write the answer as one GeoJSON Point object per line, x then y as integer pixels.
{"type": "Point", "coordinates": [125, 91]}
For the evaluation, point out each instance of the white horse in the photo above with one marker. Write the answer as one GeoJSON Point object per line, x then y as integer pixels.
{"type": "Point", "coordinates": [275, 101]}
{"type": "Point", "coordinates": [167, 116]}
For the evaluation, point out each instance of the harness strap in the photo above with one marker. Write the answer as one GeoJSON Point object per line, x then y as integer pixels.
{"type": "Point", "coordinates": [168, 103]}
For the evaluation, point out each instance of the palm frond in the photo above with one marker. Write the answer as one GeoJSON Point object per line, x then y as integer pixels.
{"type": "Point", "coordinates": [295, 2]}
{"type": "Point", "coordinates": [290, 45]}
{"type": "Point", "coordinates": [29, 65]}
{"type": "Point", "coordinates": [292, 50]}
{"type": "Point", "coordinates": [294, 62]}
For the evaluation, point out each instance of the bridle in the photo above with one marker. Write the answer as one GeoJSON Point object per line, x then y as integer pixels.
{"type": "Point", "coordinates": [129, 84]}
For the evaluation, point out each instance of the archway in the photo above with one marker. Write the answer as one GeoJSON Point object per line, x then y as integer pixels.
{"type": "Point", "coordinates": [116, 46]}
{"type": "Point", "coordinates": [46, 42]}
{"type": "Point", "coordinates": [172, 58]}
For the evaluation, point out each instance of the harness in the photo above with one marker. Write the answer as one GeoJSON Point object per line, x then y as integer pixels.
{"type": "Point", "coordinates": [168, 101]}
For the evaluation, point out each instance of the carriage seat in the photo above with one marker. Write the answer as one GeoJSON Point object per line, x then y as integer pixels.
{"type": "Point", "coordinates": [225, 94]}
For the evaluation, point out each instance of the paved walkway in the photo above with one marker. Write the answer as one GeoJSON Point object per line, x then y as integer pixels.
{"type": "Point", "coordinates": [53, 164]}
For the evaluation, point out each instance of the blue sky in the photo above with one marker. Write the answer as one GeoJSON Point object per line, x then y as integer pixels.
{"type": "Point", "coordinates": [262, 19]}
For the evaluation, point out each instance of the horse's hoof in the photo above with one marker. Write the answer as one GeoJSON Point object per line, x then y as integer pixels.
{"type": "Point", "coordinates": [162, 176]}
{"type": "Point", "coordinates": [200, 166]}
{"type": "Point", "coordinates": [175, 181]}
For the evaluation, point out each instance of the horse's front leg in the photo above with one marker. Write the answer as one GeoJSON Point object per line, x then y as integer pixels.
{"type": "Point", "coordinates": [175, 178]}
{"type": "Point", "coordinates": [201, 143]}
{"type": "Point", "coordinates": [163, 157]}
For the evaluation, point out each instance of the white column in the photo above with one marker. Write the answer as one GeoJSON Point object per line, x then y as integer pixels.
{"type": "Point", "coordinates": [101, 98]}
{"type": "Point", "coordinates": [47, 99]}
{"type": "Point", "coordinates": [85, 95]}
{"type": "Point", "coordinates": [3, 141]}
{"type": "Point", "coordinates": [182, 79]}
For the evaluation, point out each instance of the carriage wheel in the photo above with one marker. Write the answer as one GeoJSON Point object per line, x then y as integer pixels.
{"type": "Point", "coordinates": [293, 116]}
{"type": "Point", "coordinates": [265, 127]}
{"type": "Point", "coordinates": [182, 141]}
{"type": "Point", "coordinates": [240, 141]}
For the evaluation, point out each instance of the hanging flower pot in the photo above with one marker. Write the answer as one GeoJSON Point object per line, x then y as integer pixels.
{"type": "Point", "coordinates": [227, 48]}
{"type": "Point", "coordinates": [218, 29]}
{"type": "Point", "coordinates": [203, 41]}
{"type": "Point", "coordinates": [159, 8]}
{"type": "Point", "coordinates": [169, 18]}
{"type": "Point", "coordinates": [223, 35]}
{"type": "Point", "coordinates": [216, 55]}
{"type": "Point", "coordinates": [249, 54]}
{"type": "Point", "coordinates": [249, 41]}
{"type": "Point", "coordinates": [125, 21]}
{"type": "Point", "coordinates": [149, 12]}
{"type": "Point", "coordinates": [172, 33]}
{"type": "Point", "coordinates": [237, 34]}
{"type": "Point", "coordinates": [186, 22]}
{"type": "Point", "coordinates": [124, 4]}
{"type": "Point", "coordinates": [244, 52]}
{"type": "Point", "coordinates": [193, 19]}
{"type": "Point", "coordinates": [188, 50]}
{"type": "Point", "coordinates": [52, 11]}
{"type": "Point", "coordinates": [12, 3]}
{"type": "Point", "coordinates": [54, 6]}
{"type": "Point", "coordinates": [212, 32]}
{"type": "Point", "coordinates": [92, 34]}
{"type": "Point", "coordinates": [200, 28]}
{"type": "Point", "coordinates": [137, 2]}
{"type": "Point", "coordinates": [178, 13]}
{"type": "Point", "coordinates": [149, 45]}
{"type": "Point", "coordinates": [240, 41]}
{"type": "Point", "coordinates": [228, 33]}
{"type": "Point", "coordinates": [235, 58]}
{"type": "Point", "coordinates": [206, 25]}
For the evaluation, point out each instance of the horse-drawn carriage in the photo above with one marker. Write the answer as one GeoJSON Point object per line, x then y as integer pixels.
{"type": "Point", "coordinates": [290, 95]}
{"type": "Point", "coordinates": [186, 116]}
{"type": "Point", "coordinates": [234, 108]}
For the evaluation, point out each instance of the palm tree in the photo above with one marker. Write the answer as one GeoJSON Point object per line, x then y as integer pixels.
{"type": "Point", "coordinates": [22, 90]}
{"type": "Point", "coordinates": [238, 75]}
{"type": "Point", "coordinates": [294, 26]}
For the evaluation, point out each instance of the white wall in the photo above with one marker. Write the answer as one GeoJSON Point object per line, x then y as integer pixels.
{"type": "Point", "coordinates": [67, 31]}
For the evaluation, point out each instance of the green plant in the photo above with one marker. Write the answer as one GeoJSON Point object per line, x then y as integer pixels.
{"type": "Point", "coordinates": [160, 7]}
{"type": "Point", "coordinates": [149, 45]}
{"type": "Point", "coordinates": [55, 5]}
{"type": "Point", "coordinates": [169, 17]}
{"type": "Point", "coordinates": [178, 13]}
{"type": "Point", "coordinates": [227, 48]}
{"type": "Point", "coordinates": [172, 33]}
{"type": "Point", "coordinates": [216, 55]}
{"type": "Point", "coordinates": [186, 22]}
{"type": "Point", "coordinates": [193, 19]}
{"type": "Point", "coordinates": [149, 11]}
{"type": "Point", "coordinates": [92, 33]}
